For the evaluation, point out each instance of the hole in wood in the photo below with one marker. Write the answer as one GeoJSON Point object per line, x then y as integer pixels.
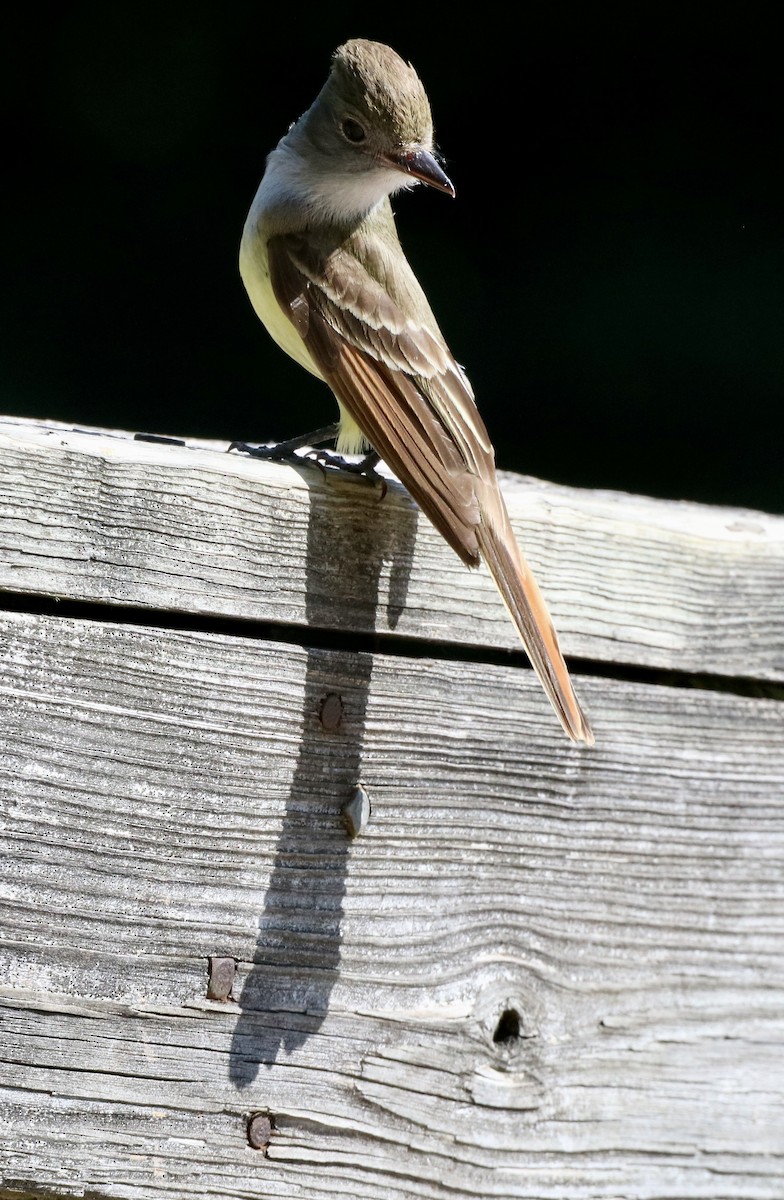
{"type": "Point", "coordinates": [508, 1028]}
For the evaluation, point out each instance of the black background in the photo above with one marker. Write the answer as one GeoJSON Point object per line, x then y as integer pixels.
{"type": "Point", "coordinates": [610, 273]}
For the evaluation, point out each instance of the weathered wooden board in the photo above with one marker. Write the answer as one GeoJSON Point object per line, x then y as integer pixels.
{"type": "Point", "coordinates": [629, 580]}
{"type": "Point", "coordinates": [171, 795]}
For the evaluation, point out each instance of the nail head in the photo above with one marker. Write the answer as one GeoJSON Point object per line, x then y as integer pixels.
{"type": "Point", "coordinates": [221, 977]}
{"type": "Point", "coordinates": [331, 712]}
{"type": "Point", "coordinates": [259, 1131]}
{"type": "Point", "coordinates": [356, 812]}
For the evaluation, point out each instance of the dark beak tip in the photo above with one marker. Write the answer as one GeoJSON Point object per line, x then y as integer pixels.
{"type": "Point", "coordinates": [422, 165]}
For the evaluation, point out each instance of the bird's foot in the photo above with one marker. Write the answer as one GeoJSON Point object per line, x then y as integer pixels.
{"type": "Point", "coordinates": [287, 451]}
{"type": "Point", "coordinates": [323, 459]}
{"type": "Point", "coordinates": [366, 467]}
{"type": "Point", "coordinates": [277, 452]}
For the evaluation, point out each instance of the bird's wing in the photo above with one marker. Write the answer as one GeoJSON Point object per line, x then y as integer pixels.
{"type": "Point", "coordinates": [395, 376]}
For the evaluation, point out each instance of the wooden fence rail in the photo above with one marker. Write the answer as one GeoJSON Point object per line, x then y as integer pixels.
{"type": "Point", "coordinates": [539, 972]}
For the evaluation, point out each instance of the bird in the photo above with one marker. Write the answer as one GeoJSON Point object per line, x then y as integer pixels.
{"type": "Point", "coordinates": [324, 269]}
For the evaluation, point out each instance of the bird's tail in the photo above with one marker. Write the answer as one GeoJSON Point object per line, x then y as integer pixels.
{"type": "Point", "coordinates": [520, 593]}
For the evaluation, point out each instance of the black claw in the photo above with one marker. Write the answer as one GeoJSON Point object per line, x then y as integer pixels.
{"type": "Point", "coordinates": [279, 453]}
{"type": "Point", "coordinates": [323, 459]}
{"type": "Point", "coordinates": [365, 468]}
{"type": "Point", "coordinates": [286, 451]}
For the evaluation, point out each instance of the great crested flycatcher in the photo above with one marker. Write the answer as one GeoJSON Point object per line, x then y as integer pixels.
{"type": "Point", "coordinates": [325, 272]}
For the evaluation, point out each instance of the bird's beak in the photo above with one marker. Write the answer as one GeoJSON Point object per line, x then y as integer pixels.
{"type": "Point", "coordinates": [422, 165]}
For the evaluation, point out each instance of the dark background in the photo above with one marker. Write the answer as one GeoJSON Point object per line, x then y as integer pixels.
{"type": "Point", "coordinates": [610, 273]}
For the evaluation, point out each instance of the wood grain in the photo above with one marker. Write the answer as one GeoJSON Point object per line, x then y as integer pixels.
{"type": "Point", "coordinates": [168, 795]}
{"type": "Point", "coordinates": [629, 580]}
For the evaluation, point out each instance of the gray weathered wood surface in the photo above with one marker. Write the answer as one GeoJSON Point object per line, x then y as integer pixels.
{"type": "Point", "coordinates": [171, 794]}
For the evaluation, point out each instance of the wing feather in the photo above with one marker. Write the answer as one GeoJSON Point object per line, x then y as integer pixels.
{"type": "Point", "coordinates": [372, 378]}
{"type": "Point", "coordinates": [394, 375]}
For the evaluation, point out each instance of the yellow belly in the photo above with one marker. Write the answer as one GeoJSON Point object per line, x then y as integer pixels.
{"type": "Point", "coordinates": [254, 270]}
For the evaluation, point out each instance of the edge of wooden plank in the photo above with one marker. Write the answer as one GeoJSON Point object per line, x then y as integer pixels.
{"type": "Point", "coordinates": [629, 579]}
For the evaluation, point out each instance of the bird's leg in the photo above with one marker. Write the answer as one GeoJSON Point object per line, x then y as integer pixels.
{"type": "Point", "coordinates": [287, 451]}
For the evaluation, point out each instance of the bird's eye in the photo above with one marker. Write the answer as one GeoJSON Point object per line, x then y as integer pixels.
{"type": "Point", "coordinates": [353, 130]}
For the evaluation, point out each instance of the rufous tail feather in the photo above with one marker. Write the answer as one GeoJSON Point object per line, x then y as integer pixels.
{"type": "Point", "coordinates": [520, 593]}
